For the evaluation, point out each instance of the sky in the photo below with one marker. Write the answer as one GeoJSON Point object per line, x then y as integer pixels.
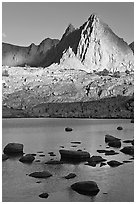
{"type": "Point", "coordinates": [24, 23]}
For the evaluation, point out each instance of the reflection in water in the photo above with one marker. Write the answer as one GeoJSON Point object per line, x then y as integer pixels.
{"type": "Point", "coordinates": [46, 135]}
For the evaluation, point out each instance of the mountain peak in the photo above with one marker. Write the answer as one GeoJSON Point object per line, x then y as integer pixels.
{"type": "Point", "coordinates": [69, 30]}
{"type": "Point", "coordinates": [93, 16]}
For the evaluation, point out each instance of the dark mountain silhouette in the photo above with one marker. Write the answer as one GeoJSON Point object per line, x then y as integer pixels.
{"type": "Point", "coordinates": [32, 55]}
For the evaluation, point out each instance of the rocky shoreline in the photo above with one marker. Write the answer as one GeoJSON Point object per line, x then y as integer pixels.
{"type": "Point", "coordinates": [115, 108]}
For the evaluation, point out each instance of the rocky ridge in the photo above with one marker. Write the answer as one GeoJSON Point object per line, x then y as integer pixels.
{"type": "Point", "coordinates": [88, 64]}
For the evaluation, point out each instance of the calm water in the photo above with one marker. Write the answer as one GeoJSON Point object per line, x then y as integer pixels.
{"type": "Point", "coordinates": [48, 135]}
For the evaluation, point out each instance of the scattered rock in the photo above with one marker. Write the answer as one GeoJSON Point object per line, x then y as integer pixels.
{"type": "Point", "coordinates": [70, 176]}
{"type": "Point", "coordinates": [115, 143]}
{"type": "Point", "coordinates": [52, 155]}
{"type": "Point", "coordinates": [37, 160]}
{"type": "Point", "coordinates": [74, 155]}
{"type": "Point", "coordinates": [44, 195]}
{"type": "Point", "coordinates": [93, 164]}
{"type": "Point", "coordinates": [110, 138]}
{"type": "Point", "coordinates": [101, 151]}
{"type": "Point", "coordinates": [119, 128]}
{"type": "Point", "coordinates": [50, 152]}
{"type": "Point", "coordinates": [110, 152]}
{"type": "Point", "coordinates": [127, 161]}
{"type": "Point", "coordinates": [28, 158]}
{"type": "Point", "coordinates": [4, 157]}
{"type": "Point", "coordinates": [97, 159]}
{"type": "Point", "coordinates": [13, 148]}
{"type": "Point", "coordinates": [107, 152]}
{"type": "Point", "coordinates": [132, 158]}
{"type": "Point", "coordinates": [33, 155]}
{"type": "Point", "coordinates": [38, 181]}
{"type": "Point", "coordinates": [129, 141]}
{"type": "Point", "coordinates": [76, 142]}
{"type": "Point", "coordinates": [114, 163]}
{"type": "Point", "coordinates": [128, 150]}
{"type": "Point", "coordinates": [86, 188]}
{"type": "Point", "coordinates": [68, 129]}
{"type": "Point", "coordinates": [54, 162]}
{"type": "Point", "coordinates": [42, 155]}
{"type": "Point", "coordinates": [62, 146]}
{"type": "Point", "coordinates": [102, 164]}
{"type": "Point", "coordinates": [41, 174]}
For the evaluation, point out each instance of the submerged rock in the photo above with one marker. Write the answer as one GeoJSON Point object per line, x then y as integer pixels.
{"type": "Point", "coordinates": [110, 138]}
{"type": "Point", "coordinates": [74, 155]}
{"type": "Point", "coordinates": [129, 141]}
{"type": "Point", "coordinates": [102, 164]}
{"type": "Point", "coordinates": [70, 176]}
{"type": "Point", "coordinates": [110, 152]}
{"type": "Point", "coordinates": [107, 152]}
{"type": "Point", "coordinates": [115, 143]}
{"type": "Point", "coordinates": [76, 142]}
{"type": "Point", "coordinates": [114, 163]}
{"type": "Point", "coordinates": [93, 164]}
{"type": "Point", "coordinates": [128, 150]}
{"type": "Point", "coordinates": [127, 161]}
{"type": "Point", "coordinates": [13, 148]}
{"type": "Point", "coordinates": [86, 188]}
{"type": "Point", "coordinates": [119, 128]}
{"type": "Point", "coordinates": [54, 162]}
{"type": "Point", "coordinates": [96, 159]}
{"type": "Point", "coordinates": [44, 195]}
{"type": "Point", "coordinates": [41, 174]}
{"type": "Point", "coordinates": [4, 157]}
{"type": "Point", "coordinates": [68, 129]}
{"type": "Point", "coordinates": [42, 155]}
{"type": "Point", "coordinates": [28, 158]}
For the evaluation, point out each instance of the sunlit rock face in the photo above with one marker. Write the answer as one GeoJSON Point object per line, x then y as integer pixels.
{"type": "Point", "coordinates": [99, 48]}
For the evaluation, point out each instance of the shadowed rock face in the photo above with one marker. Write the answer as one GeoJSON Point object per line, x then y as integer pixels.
{"type": "Point", "coordinates": [131, 45]}
{"type": "Point", "coordinates": [32, 55]}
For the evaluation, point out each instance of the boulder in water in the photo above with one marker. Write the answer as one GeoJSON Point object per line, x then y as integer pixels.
{"type": "Point", "coordinates": [115, 143]}
{"type": "Point", "coordinates": [28, 158]}
{"type": "Point", "coordinates": [13, 148]}
{"type": "Point", "coordinates": [70, 176]}
{"type": "Point", "coordinates": [68, 129]}
{"type": "Point", "coordinates": [114, 163]}
{"type": "Point", "coordinates": [4, 157]}
{"type": "Point", "coordinates": [110, 138]}
{"type": "Point", "coordinates": [74, 155]}
{"type": "Point", "coordinates": [54, 162]}
{"type": "Point", "coordinates": [41, 174]}
{"type": "Point", "coordinates": [86, 188]}
{"type": "Point", "coordinates": [119, 128]}
{"type": "Point", "coordinates": [128, 150]}
{"type": "Point", "coordinates": [44, 195]}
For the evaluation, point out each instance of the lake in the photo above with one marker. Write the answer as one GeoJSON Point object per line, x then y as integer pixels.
{"type": "Point", "coordinates": [115, 184]}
